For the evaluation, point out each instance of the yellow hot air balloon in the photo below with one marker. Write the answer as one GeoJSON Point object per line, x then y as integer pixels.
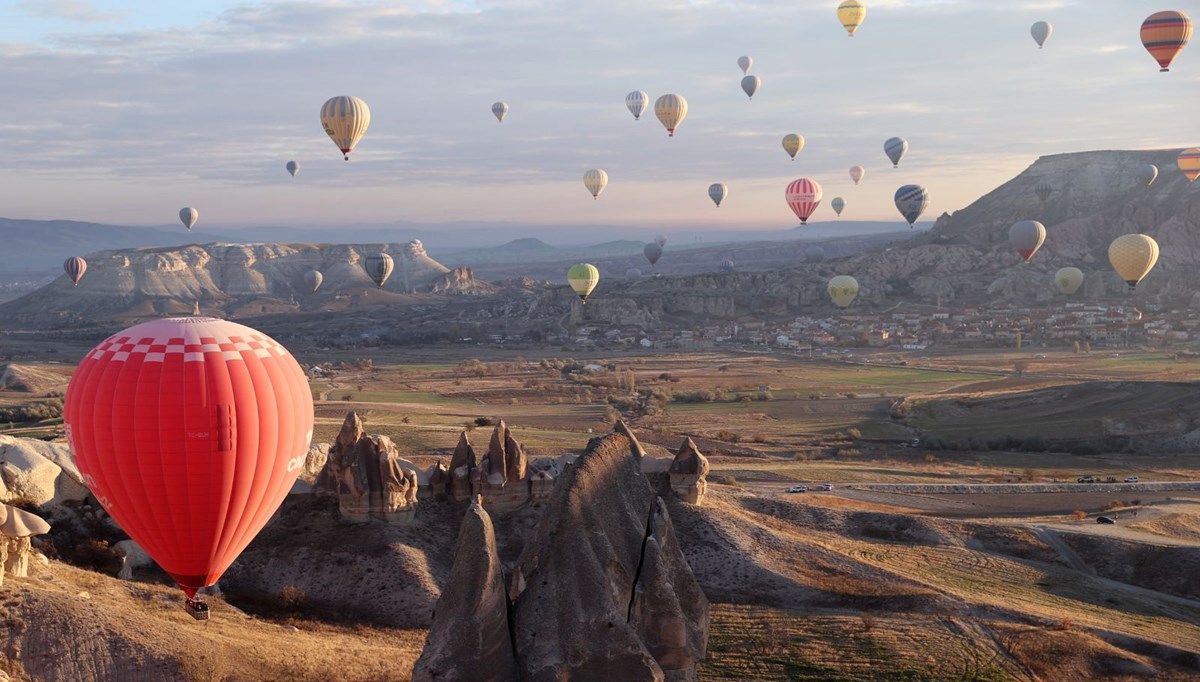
{"type": "Point", "coordinates": [1189, 163]}
{"type": "Point", "coordinates": [792, 144]}
{"type": "Point", "coordinates": [1133, 257]}
{"type": "Point", "coordinates": [345, 120]}
{"type": "Point", "coordinates": [583, 278]}
{"type": "Point", "coordinates": [1068, 280]}
{"type": "Point", "coordinates": [843, 289]}
{"type": "Point", "coordinates": [671, 110]}
{"type": "Point", "coordinates": [595, 180]}
{"type": "Point", "coordinates": [851, 13]}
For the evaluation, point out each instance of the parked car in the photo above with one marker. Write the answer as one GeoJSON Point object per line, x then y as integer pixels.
{"type": "Point", "coordinates": [1104, 519]}
{"type": "Point", "coordinates": [825, 487]}
{"type": "Point", "coordinates": [797, 489]}
{"type": "Point", "coordinates": [1131, 479]}
{"type": "Point", "coordinates": [916, 443]}
{"type": "Point", "coordinates": [1086, 479]}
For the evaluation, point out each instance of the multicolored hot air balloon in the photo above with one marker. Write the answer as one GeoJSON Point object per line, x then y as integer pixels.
{"type": "Point", "coordinates": [652, 252]}
{"type": "Point", "coordinates": [750, 85]}
{"type": "Point", "coordinates": [1068, 280]}
{"type": "Point", "coordinates": [345, 120]}
{"type": "Point", "coordinates": [379, 267]}
{"type": "Point", "coordinates": [75, 267]}
{"type": "Point", "coordinates": [671, 110]}
{"type": "Point", "coordinates": [583, 278]}
{"type": "Point", "coordinates": [745, 62]}
{"type": "Point", "coordinates": [1147, 173]}
{"type": "Point", "coordinates": [803, 196]}
{"type": "Point", "coordinates": [792, 144]}
{"type": "Point", "coordinates": [857, 173]}
{"type": "Point", "coordinates": [636, 102]}
{"type": "Point", "coordinates": [189, 432]}
{"type": "Point", "coordinates": [293, 168]}
{"type": "Point", "coordinates": [895, 147]}
{"type": "Point", "coordinates": [313, 279]}
{"type": "Point", "coordinates": [1165, 34]}
{"type": "Point", "coordinates": [1043, 190]}
{"type": "Point", "coordinates": [1027, 237]}
{"type": "Point", "coordinates": [188, 216]}
{"type": "Point", "coordinates": [1189, 163]}
{"type": "Point", "coordinates": [500, 110]}
{"type": "Point", "coordinates": [661, 240]}
{"type": "Point", "coordinates": [595, 180]}
{"type": "Point", "coordinates": [911, 201]}
{"type": "Point", "coordinates": [851, 13]}
{"type": "Point", "coordinates": [717, 192]}
{"type": "Point", "coordinates": [843, 289]}
{"type": "Point", "coordinates": [838, 205]}
{"type": "Point", "coordinates": [1041, 31]}
{"type": "Point", "coordinates": [1133, 257]}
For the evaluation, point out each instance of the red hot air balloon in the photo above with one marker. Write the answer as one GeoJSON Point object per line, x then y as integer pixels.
{"type": "Point", "coordinates": [190, 431]}
{"type": "Point", "coordinates": [803, 196]}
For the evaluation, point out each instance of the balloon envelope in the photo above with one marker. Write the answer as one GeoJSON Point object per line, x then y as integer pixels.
{"type": "Point", "coordinates": [500, 110]}
{"type": "Point", "coordinates": [189, 432]}
{"type": "Point", "coordinates": [293, 168]}
{"type": "Point", "coordinates": [595, 180]}
{"type": "Point", "coordinates": [857, 173]}
{"type": "Point", "coordinates": [1165, 34]}
{"type": "Point", "coordinates": [1027, 237]}
{"type": "Point", "coordinates": [1133, 257]}
{"type": "Point", "coordinates": [843, 289]}
{"type": "Point", "coordinates": [345, 120]}
{"type": "Point", "coordinates": [652, 252]}
{"type": "Point", "coordinates": [717, 192]}
{"type": "Point", "coordinates": [661, 240]}
{"type": "Point", "coordinates": [636, 102]}
{"type": "Point", "coordinates": [1041, 31]}
{"type": "Point", "coordinates": [1189, 163]}
{"type": "Point", "coordinates": [911, 201]}
{"type": "Point", "coordinates": [75, 267]}
{"type": "Point", "coordinates": [583, 278]}
{"type": "Point", "coordinates": [814, 254]}
{"type": "Point", "coordinates": [745, 62]}
{"type": "Point", "coordinates": [188, 216]}
{"type": "Point", "coordinates": [379, 267]}
{"type": "Point", "coordinates": [1068, 280]}
{"type": "Point", "coordinates": [633, 273]}
{"type": "Point", "coordinates": [895, 147]}
{"type": "Point", "coordinates": [750, 85]}
{"type": "Point", "coordinates": [313, 279]}
{"type": "Point", "coordinates": [671, 110]}
{"type": "Point", "coordinates": [803, 196]}
{"type": "Point", "coordinates": [792, 144]}
{"type": "Point", "coordinates": [852, 13]}
{"type": "Point", "coordinates": [1043, 190]}
{"type": "Point", "coordinates": [727, 265]}
{"type": "Point", "coordinates": [1147, 174]}
{"type": "Point", "coordinates": [838, 204]}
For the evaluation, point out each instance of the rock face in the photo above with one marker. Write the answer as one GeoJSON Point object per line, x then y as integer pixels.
{"type": "Point", "coordinates": [38, 473]}
{"type": "Point", "coordinates": [366, 474]}
{"type": "Point", "coordinates": [469, 640]}
{"type": "Point", "coordinates": [500, 477]}
{"type": "Point", "coordinates": [461, 282]}
{"type": "Point", "coordinates": [462, 469]}
{"type": "Point", "coordinates": [688, 473]}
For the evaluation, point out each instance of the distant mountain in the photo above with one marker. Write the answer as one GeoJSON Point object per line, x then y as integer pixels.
{"type": "Point", "coordinates": [34, 246]}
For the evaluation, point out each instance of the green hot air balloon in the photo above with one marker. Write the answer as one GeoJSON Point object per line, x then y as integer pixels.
{"type": "Point", "coordinates": [843, 289]}
{"type": "Point", "coordinates": [583, 278]}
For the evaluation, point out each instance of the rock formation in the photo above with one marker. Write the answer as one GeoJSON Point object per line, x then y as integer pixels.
{"type": "Point", "coordinates": [17, 527]}
{"type": "Point", "coordinates": [367, 476]}
{"type": "Point", "coordinates": [469, 640]}
{"type": "Point", "coordinates": [500, 477]}
{"type": "Point", "coordinates": [37, 473]}
{"type": "Point", "coordinates": [439, 481]}
{"type": "Point", "coordinates": [463, 464]}
{"type": "Point", "coordinates": [688, 473]}
{"type": "Point", "coordinates": [461, 282]}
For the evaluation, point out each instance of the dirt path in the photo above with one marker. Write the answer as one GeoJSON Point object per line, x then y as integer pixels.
{"type": "Point", "coordinates": [1050, 537]}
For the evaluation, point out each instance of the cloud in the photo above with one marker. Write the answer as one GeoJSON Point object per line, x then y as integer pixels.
{"type": "Point", "coordinates": [71, 10]}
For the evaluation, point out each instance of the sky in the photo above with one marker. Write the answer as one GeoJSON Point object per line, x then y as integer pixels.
{"type": "Point", "coordinates": [122, 112]}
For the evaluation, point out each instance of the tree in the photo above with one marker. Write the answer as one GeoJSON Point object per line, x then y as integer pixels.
{"type": "Point", "coordinates": [1077, 348]}
{"type": "Point", "coordinates": [1020, 366]}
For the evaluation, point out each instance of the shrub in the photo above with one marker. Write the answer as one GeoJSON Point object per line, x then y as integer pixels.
{"type": "Point", "coordinates": [854, 433]}
{"type": "Point", "coordinates": [96, 555]}
{"type": "Point", "coordinates": [1064, 625]}
{"type": "Point", "coordinates": [764, 396]}
{"type": "Point", "coordinates": [868, 622]}
{"type": "Point", "coordinates": [483, 421]}
{"type": "Point", "coordinates": [728, 436]}
{"type": "Point", "coordinates": [292, 598]}
{"type": "Point", "coordinates": [701, 396]}
{"type": "Point", "coordinates": [725, 479]}
{"type": "Point", "coordinates": [1079, 514]}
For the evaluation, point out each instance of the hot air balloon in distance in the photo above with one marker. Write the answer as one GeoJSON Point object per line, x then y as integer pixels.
{"type": "Point", "coordinates": [1068, 280]}
{"type": "Point", "coordinates": [345, 120]}
{"type": "Point", "coordinates": [911, 201]}
{"type": "Point", "coordinates": [1043, 190]}
{"type": "Point", "coordinates": [583, 278]}
{"type": "Point", "coordinates": [661, 240]}
{"type": "Point", "coordinates": [595, 180]}
{"type": "Point", "coordinates": [1027, 237]}
{"type": "Point", "coordinates": [188, 216]}
{"type": "Point", "coordinates": [727, 265]}
{"type": "Point", "coordinates": [717, 192]}
{"type": "Point", "coordinates": [803, 195]}
{"type": "Point", "coordinates": [75, 267]}
{"type": "Point", "coordinates": [636, 102]}
{"type": "Point", "coordinates": [1133, 257]}
{"type": "Point", "coordinates": [750, 85]}
{"type": "Point", "coordinates": [814, 254]}
{"type": "Point", "coordinates": [671, 110]}
{"type": "Point", "coordinates": [895, 147]}
{"type": "Point", "coordinates": [843, 289]}
{"type": "Point", "coordinates": [189, 432]}
{"type": "Point", "coordinates": [857, 173]}
{"type": "Point", "coordinates": [1165, 34]}
{"type": "Point", "coordinates": [745, 62]}
{"type": "Point", "coordinates": [1041, 31]}
{"type": "Point", "coordinates": [838, 205]}
{"type": "Point", "coordinates": [851, 13]}
{"type": "Point", "coordinates": [293, 168]}
{"type": "Point", "coordinates": [1147, 173]}
{"type": "Point", "coordinates": [792, 144]}
{"type": "Point", "coordinates": [379, 267]}
{"type": "Point", "coordinates": [652, 252]}
{"type": "Point", "coordinates": [1189, 163]}
{"type": "Point", "coordinates": [313, 279]}
{"type": "Point", "coordinates": [500, 110]}
{"type": "Point", "coordinates": [633, 273]}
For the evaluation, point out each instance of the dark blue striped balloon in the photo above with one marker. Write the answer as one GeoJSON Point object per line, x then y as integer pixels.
{"type": "Point", "coordinates": [911, 201]}
{"type": "Point", "coordinates": [895, 148]}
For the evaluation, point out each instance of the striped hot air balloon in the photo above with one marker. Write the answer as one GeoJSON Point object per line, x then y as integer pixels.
{"type": "Point", "coordinates": [345, 120]}
{"type": "Point", "coordinates": [857, 173]}
{"type": "Point", "coordinates": [595, 180]}
{"type": "Point", "coordinates": [583, 278]}
{"type": "Point", "coordinates": [1189, 163]}
{"type": "Point", "coordinates": [1043, 190]}
{"type": "Point", "coordinates": [1133, 257]}
{"type": "Point", "coordinates": [851, 13]}
{"type": "Point", "coordinates": [636, 102]}
{"type": "Point", "coordinates": [75, 267]}
{"type": "Point", "coordinates": [911, 201]}
{"type": "Point", "coordinates": [1027, 237]}
{"type": "Point", "coordinates": [895, 148]}
{"type": "Point", "coordinates": [379, 267]}
{"type": "Point", "coordinates": [671, 110]}
{"type": "Point", "coordinates": [792, 144]}
{"type": "Point", "coordinates": [803, 196]}
{"type": "Point", "coordinates": [1165, 34]}
{"type": "Point", "coordinates": [717, 192]}
{"type": "Point", "coordinates": [500, 110]}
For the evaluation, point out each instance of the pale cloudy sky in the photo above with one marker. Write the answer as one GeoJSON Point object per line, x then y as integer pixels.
{"type": "Point", "coordinates": [123, 111]}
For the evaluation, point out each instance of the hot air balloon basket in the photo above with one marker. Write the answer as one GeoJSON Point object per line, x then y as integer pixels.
{"type": "Point", "coordinates": [197, 608]}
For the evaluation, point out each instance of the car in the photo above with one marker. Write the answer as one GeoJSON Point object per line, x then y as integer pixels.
{"type": "Point", "coordinates": [797, 489]}
{"type": "Point", "coordinates": [825, 487]}
{"type": "Point", "coordinates": [1131, 479]}
{"type": "Point", "coordinates": [1086, 479]}
{"type": "Point", "coordinates": [1040, 356]}
{"type": "Point", "coordinates": [1105, 520]}
{"type": "Point", "coordinates": [916, 443]}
